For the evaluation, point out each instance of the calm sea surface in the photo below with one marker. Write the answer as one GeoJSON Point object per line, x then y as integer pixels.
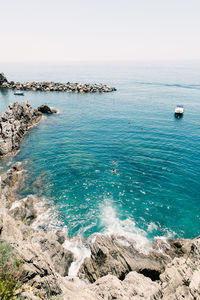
{"type": "Point", "coordinates": [70, 157]}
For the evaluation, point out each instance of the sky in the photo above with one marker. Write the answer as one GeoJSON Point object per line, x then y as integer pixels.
{"type": "Point", "coordinates": [99, 30]}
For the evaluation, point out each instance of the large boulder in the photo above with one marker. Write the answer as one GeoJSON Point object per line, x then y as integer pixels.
{"type": "Point", "coordinates": [45, 109]}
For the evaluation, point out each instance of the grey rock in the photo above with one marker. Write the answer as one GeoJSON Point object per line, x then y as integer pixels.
{"type": "Point", "coordinates": [181, 278]}
{"type": "Point", "coordinates": [56, 86]}
{"type": "Point", "coordinates": [45, 109]}
{"type": "Point", "coordinates": [3, 79]}
{"type": "Point", "coordinates": [15, 123]}
{"type": "Point", "coordinates": [25, 211]}
{"type": "Point", "coordinates": [134, 286]}
{"type": "Point", "coordinates": [108, 256]}
{"type": "Point", "coordinates": [43, 257]}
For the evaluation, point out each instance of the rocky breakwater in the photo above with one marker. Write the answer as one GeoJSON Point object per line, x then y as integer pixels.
{"type": "Point", "coordinates": [16, 122]}
{"type": "Point", "coordinates": [55, 86]}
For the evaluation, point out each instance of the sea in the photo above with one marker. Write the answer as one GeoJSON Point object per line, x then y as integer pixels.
{"type": "Point", "coordinates": [113, 163]}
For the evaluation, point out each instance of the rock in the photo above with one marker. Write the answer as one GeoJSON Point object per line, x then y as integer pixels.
{"type": "Point", "coordinates": [3, 79]}
{"type": "Point", "coordinates": [43, 257]}
{"type": "Point", "coordinates": [134, 286]}
{"type": "Point", "coordinates": [15, 123]}
{"type": "Point", "coordinates": [56, 86]}
{"type": "Point", "coordinates": [45, 109]}
{"type": "Point", "coordinates": [108, 256]}
{"type": "Point", "coordinates": [25, 210]}
{"type": "Point", "coordinates": [181, 278]}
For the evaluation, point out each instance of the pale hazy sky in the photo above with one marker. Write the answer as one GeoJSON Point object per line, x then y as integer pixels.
{"type": "Point", "coordinates": [57, 30]}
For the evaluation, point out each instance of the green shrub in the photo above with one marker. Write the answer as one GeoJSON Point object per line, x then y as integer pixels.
{"type": "Point", "coordinates": [10, 273]}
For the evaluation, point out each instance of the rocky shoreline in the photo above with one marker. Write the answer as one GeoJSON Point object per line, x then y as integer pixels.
{"type": "Point", "coordinates": [55, 86]}
{"type": "Point", "coordinates": [16, 122]}
{"type": "Point", "coordinates": [115, 268]}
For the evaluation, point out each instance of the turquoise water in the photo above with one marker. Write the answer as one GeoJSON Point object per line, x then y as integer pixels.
{"type": "Point", "coordinates": [157, 157]}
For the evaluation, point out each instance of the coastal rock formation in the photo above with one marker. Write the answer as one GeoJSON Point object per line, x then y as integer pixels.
{"type": "Point", "coordinates": [115, 270]}
{"type": "Point", "coordinates": [3, 79]}
{"type": "Point", "coordinates": [56, 86]}
{"type": "Point", "coordinates": [43, 257]}
{"type": "Point", "coordinates": [134, 286]}
{"type": "Point", "coordinates": [45, 109]}
{"type": "Point", "coordinates": [109, 256]}
{"type": "Point", "coordinates": [14, 124]}
{"type": "Point", "coordinates": [25, 210]}
{"type": "Point", "coordinates": [181, 279]}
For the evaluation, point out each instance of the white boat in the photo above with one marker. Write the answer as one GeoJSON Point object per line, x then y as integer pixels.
{"type": "Point", "coordinates": [18, 93]}
{"type": "Point", "coordinates": [179, 110]}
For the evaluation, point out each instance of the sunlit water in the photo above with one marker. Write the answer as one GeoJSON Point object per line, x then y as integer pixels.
{"type": "Point", "coordinates": [71, 156]}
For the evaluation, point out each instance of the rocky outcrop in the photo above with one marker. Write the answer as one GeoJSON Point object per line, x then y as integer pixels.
{"type": "Point", "coordinates": [109, 256]}
{"type": "Point", "coordinates": [15, 123]}
{"type": "Point", "coordinates": [56, 86]}
{"type": "Point", "coordinates": [25, 210]}
{"type": "Point", "coordinates": [41, 253]}
{"type": "Point", "coordinates": [3, 79]}
{"type": "Point", "coordinates": [134, 286]}
{"type": "Point", "coordinates": [45, 109]}
{"type": "Point", "coordinates": [181, 278]}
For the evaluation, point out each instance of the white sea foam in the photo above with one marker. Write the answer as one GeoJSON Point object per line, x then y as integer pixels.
{"type": "Point", "coordinates": [80, 250]}
{"type": "Point", "coordinates": [124, 228]}
{"type": "Point", "coordinates": [151, 227]}
{"type": "Point", "coordinates": [47, 216]}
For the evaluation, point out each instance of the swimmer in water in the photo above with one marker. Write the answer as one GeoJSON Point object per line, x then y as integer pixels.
{"type": "Point", "coordinates": [114, 171]}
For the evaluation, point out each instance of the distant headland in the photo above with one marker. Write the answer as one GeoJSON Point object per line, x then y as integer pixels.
{"type": "Point", "coordinates": [55, 86]}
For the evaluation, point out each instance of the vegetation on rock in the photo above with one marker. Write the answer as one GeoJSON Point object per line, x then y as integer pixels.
{"type": "Point", "coordinates": [10, 273]}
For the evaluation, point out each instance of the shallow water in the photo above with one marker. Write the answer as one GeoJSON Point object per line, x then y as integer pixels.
{"type": "Point", "coordinates": [71, 156]}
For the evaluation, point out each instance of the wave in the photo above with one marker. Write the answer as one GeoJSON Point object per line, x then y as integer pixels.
{"type": "Point", "coordinates": [80, 248]}
{"type": "Point", "coordinates": [177, 85]}
{"type": "Point", "coordinates": [125, 228]}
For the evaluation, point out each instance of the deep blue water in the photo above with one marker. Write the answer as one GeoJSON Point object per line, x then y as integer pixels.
{"type": "Point", "coordinates": [132, 130]}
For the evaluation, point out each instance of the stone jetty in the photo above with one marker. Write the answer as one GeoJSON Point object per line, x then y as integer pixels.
{"type": "Point", "coordinates": [55, 86]}
{"type": "Point", "coordinates": [15, 123]}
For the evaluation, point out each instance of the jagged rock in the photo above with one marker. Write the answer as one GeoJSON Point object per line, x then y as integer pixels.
{"type": "Point", "coordinates": [43, 257]}
{"type": "Point", "coordinates": [24, 210]}
{"type": "Point", "coordinates": [181, 278]}
{"type": "Point", "coordinates": [3, 79]}
{"type": "Point", "coordinates": [134, 286]}
{"type": "Point", "coordinates": [45, 109]}
{"type": "Point", "coordinates": [14, 124]}
{"type": "Point", "coordinates": [108, 256]}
